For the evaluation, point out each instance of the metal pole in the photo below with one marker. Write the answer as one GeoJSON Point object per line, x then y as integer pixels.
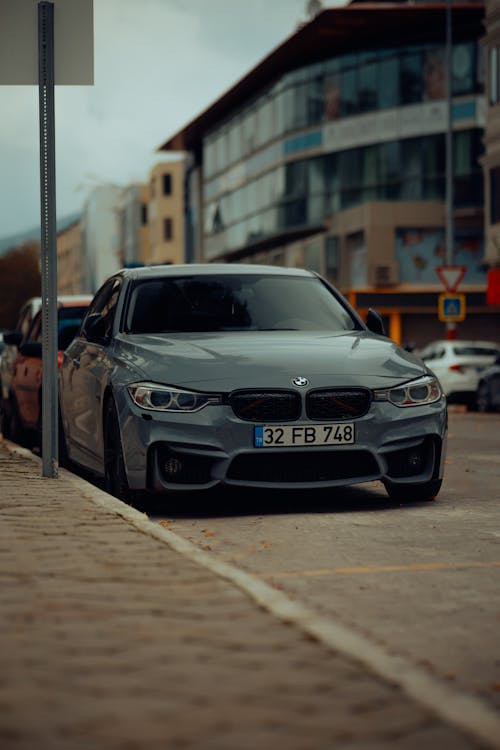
{"type": "Point", "coordinates": [450, 327]}
{"type": "Point", "coordinates": [48, 237]}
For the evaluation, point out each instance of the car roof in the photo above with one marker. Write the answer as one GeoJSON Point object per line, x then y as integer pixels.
{"type": "Point", "coordinates": [74, 300]}
{"type": "Point", "coordinates": [203, 269]}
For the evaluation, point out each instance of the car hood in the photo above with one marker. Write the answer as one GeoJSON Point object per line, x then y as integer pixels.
{"type": "Point", "coordinates": [267, 359]}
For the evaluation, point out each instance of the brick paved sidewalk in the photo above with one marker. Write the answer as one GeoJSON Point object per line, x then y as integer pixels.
{"type": "Point", "coordinates": [111, 639]}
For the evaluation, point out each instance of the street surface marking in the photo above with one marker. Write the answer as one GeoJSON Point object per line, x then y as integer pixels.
{"type": "Point", "coordinates": [465, 711]}
{"type": "Point", "coordinates": [383, 569]}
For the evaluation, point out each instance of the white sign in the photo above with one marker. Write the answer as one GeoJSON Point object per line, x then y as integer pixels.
{"type": "Point", "coordinates": [451, 276]}
{"type": "Point", "coordinates": [73, 42]}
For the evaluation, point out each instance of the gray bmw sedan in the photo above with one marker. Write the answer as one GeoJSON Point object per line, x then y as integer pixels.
{"type": "Point", "coordinates": [192, 376]}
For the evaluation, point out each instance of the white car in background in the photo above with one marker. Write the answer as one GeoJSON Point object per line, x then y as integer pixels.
{"type": "Point", "coordinates": [458, 366]}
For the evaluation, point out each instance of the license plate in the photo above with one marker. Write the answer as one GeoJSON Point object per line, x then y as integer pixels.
{"type": "Point", "coordinates": [267, 436]}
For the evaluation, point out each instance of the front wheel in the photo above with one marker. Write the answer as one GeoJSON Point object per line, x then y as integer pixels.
{"type": "Point", "coordinates": [5, 419]}
{"type": "Point", "coordinates": [61, 441]}
{"type": "Point", "coordinates": [115, 477]}
{"type": "Point", "coordinates": [411, 493]}
{"type": "Point", "coordinates": [18, 433]}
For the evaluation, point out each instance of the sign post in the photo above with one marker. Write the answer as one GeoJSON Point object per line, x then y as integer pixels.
{"type": "Point", "coordinates": [48, 237]}
{"type": "Point", "coordinates": [451, 306]}
{"type": "Point", "coordinates": [64, 54]}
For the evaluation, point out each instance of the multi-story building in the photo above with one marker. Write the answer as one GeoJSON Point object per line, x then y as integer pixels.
{"type": "Point", "coordinates": [330, 154]}
{"type": "Point", "coordinates": [132, 210]}
{"type": "Point", "coordinates": [166, 213]}
{"type": "Point", "coordinates": [136, 224]}
{"type": "Point", "coordinates": [70, 262]}
{"type": "Point", "coordinates": [101, 235]}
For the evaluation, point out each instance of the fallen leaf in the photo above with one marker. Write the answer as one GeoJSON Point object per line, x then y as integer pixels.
{"type": "Point", "coordinates": [163, 523]}
{"type": "Point", "coordinates": [206, 532]}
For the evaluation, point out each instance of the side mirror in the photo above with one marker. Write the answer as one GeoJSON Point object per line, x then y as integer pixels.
{"type": "Point", "coordinates": [374, 322]}
{"type": "Point", "coordinates": [31, 349]}
{"type": "Point", "coordinates": [12, 338]}
{"type": "Point", "coordinates": [95, 328]}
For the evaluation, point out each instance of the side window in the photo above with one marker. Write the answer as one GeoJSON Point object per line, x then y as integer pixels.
{"type": "Point", "coordinates": [109, 309]}
{"type": "Point", "coordinates": [104, 303]}
{"type": "Point", "coordinates": [439, 354]}
{"type": "Point", "coordinates": [24, 322]}
{"type": "Point", "coordinates": [35, 333]}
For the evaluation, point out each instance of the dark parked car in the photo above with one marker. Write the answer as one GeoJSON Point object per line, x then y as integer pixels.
{"type": "Point", "coordinates": [488, 389]}
{"type": "Point", "coordinates": [23, 419]}
{"type": "Point", "coordinates": [188, 377]}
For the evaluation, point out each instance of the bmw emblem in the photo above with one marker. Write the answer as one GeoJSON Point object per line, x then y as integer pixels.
{"type": "Point", "coordinates": [300, 381]}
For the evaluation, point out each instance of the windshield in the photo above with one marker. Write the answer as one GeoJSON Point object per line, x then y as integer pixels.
{"type": "Point", "coordinates": [235, 303]}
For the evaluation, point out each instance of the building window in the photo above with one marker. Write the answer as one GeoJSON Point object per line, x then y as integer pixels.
{"type": "Point", "coordinates": [411, 77]}
{"type": "Point", "coordinates": [463, 68]}
{"type": "Point", "coordinates": [167, 229]}
{"type": "Point", "coordinates": [495, 195]}
{"type": "Point", "coordinates": [167, 184]}
{"type": "Point", "coordinates": [494, 75]}
{"type": "Point", "coordinates": [332, 259]}
{"type": "Point", "coordinates": [144, 214]}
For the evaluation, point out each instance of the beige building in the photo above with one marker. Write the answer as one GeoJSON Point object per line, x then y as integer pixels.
{"type": "Point", "coordinates": [70, 270]}
{"type": "Point", "coordinates": [166, 213]}
{"type": "Point", "coordinates": [133, 229]}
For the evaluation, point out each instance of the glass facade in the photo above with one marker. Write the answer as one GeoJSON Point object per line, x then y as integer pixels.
{"type": "Point", "coordinates": [253, 186]}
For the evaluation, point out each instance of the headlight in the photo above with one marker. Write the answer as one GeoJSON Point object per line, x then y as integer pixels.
{"type": "Point", "coordinates": [166, 398]}
{"type": "Point", "coordinates": [425, 390]}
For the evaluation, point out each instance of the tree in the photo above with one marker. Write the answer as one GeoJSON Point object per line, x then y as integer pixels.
{"type": "Point", "coordinates": [19, 280]}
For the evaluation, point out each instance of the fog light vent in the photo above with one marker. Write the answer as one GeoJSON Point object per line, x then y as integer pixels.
{"type": "Point", "coordinates": [415, 462]}
{"type": "Point", "coordinates": [172, 467]}
{"type": "Point", "coordinates": [409, 462]}
{"type": "Point", "coordinates": [184, 468]}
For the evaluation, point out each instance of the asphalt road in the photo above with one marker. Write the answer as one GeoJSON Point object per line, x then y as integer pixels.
{"type": "Point", "coordinates": [422, 580]}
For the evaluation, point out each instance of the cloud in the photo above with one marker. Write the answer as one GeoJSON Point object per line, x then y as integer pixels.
{"type": "Point", "coordinates": [158, 64]}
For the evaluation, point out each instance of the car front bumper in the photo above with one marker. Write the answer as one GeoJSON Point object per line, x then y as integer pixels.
{"type": "Point", "coordinates": [191, 451]}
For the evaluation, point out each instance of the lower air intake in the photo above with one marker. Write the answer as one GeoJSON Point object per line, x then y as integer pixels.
{"type": "Point", "coordinates": [303, 466]}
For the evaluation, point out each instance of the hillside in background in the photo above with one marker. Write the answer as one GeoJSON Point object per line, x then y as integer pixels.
{"type": "Point", "coordinates": [14, 240]}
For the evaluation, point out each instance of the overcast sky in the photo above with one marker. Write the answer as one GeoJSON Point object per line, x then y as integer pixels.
{"type": "Point", "coordinates": [158, 64]}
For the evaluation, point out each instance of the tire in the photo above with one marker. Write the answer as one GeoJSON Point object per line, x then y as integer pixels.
{"type": "Point", "coordinates": [413, 493]}
{"type": "Point", "coordinates": [5, 420]}
{"type": "Point", "coordinates": [483, 401]}
{"type": "Point", "coordinates": [17, 432]}
{"type": "Point", "coordinates": [62, 448]}
{"type": "Point", "coordinates": [115, 477]}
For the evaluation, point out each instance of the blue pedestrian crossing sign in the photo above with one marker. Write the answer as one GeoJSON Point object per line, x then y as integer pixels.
{"type": "Point", "coordinates": [451, 307]}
